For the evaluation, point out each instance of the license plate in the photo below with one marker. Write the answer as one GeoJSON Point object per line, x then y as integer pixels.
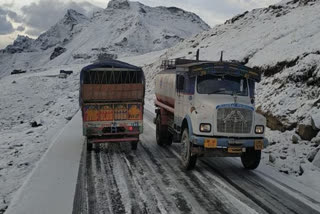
{"type": "Point", "coordinates": [234, 150]}
{"type": "Point", "coordinates": [258, 144]}
{"type": "Point", "coordinates": [210, 143]}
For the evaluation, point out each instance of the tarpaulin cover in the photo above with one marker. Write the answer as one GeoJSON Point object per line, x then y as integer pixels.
{"type": "Point", "coordinates": [108, 64]}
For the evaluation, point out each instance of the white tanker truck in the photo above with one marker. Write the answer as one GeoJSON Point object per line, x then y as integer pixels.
{"type": "Point", "coordinates": [209, 108]}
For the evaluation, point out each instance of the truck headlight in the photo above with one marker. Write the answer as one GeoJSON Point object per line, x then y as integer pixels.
{"type": "Point", "coordinates": [259, 129]}
{"type": "Point", "coordinates": [205, 127]}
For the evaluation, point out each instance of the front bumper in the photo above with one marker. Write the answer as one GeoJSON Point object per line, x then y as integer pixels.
{"type": "Point", "coordinates": [221, 142]}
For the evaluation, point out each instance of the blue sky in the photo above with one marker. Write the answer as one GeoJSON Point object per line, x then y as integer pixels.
{"type": "Point", "coordinates": [32, 17]}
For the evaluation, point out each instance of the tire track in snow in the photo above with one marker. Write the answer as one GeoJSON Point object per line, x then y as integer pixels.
{"type": "Point", "coordinates": [115, 199]}
{"type": "Point", "coordinates": [263, 193]}
{"type": "Point", "coordinates": [150, 180]}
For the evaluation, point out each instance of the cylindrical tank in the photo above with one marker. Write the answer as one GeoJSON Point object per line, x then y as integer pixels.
{"type": "Point", "coordinates": [165, 87]}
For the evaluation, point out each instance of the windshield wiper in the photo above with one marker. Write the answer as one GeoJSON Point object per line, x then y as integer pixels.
{"type": "Point", "coordinates": [217, 91]}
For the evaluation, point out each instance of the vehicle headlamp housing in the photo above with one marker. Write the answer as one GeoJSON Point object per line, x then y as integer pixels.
{"type": "Point", "coordinates": [205, 127]}
{"type": "Point", "coordinates": [259, 129]}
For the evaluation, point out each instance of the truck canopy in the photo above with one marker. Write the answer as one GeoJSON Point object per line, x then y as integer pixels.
{"type": "Point", "coordinates": [111, 81]}
{"type": "Point", "coordinates": [111, 72]}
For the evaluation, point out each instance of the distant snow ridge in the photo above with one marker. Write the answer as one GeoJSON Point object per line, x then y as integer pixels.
{"type": "Point", "coordinates": [62, 32]}
{"type": "Point", "coordinates": [124, 28]}
{"type": "Point", "coordinates": [21, 44]}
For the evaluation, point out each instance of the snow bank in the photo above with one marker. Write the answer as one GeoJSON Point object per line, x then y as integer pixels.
{"type": "Point", "coordinates": [52, 184]}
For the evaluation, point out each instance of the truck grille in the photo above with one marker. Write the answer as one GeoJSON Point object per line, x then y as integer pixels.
{"type": "Point", "coordinates": [234, 120]}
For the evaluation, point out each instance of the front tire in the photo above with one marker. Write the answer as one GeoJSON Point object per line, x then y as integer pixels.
{"type": "Point", "coordinates": [188, 160]}
{"type": "Point", "coordinates": [251, 158]}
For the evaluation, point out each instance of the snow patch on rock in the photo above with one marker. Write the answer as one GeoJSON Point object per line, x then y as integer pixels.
{"type": "Point", "coordinates": [315, 121]}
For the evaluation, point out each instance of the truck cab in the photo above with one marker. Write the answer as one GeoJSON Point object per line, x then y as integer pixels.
{"type": "Point", "coordinates": [213, 111]}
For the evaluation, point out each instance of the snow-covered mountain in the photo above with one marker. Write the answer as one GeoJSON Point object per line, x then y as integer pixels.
{"type": "Point", "coordinates": [124, 28]}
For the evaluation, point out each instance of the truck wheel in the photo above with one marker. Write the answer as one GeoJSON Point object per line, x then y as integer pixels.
{"type": "Point", "coordinates": [162, 135]}
{"type": "Point", "coordinates": [251, 158]}
{"type": "Point", "coordinates": [134, 145]}
{"type": "Point", "coordinates": [89, 146]}
{"type": "Point", "coordinates": [188, 161]}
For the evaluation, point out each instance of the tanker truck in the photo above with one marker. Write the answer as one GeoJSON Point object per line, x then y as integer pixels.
{"type": "Point", "coordinates": [208, 107]}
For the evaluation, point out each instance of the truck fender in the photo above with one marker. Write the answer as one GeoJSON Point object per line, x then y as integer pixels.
{"type": "Point", "coordinates": [187, 121]}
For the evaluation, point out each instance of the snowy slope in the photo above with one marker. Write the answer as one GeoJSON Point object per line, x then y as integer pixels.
{"type": "Point", "coordinates": [40, 97]}
{"type": "Point", "coordinates": [124, 28]}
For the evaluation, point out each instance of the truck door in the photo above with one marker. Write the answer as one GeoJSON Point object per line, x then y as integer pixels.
{"type": "Point", "coordinates": [184, 97]}
{"type": "Point", "coordinates": [178, 106]}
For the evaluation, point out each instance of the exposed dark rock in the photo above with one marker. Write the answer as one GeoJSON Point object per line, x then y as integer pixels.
{"type": "Point", "coordinates": [301, 170]}
{"type": "Point", "coordinates": [283, 157]}
{"type": "Point", "coordinates": [69, 118]}
{"type": "Point", "coordinates": [35, 124]}
{"type": "Point", "coordinates": [284, 170]}
{"type": "Point", "coordinates": [81, 56]}
{"type": "Point", "coordinates": [303, 76]}
{"type": "Point", "coordinates": [272, 70]}
{"type": "Point", "coordinates": [293, 2]}
{"type": "Point", "coordinates": [236, 18]}
{"type": "Point", "coordinates": [175, 10]}
{"type": "Point", "coordinates": [305, 2]}
{"type": "Point", "coordinates": [18, 71]}
{"type": "Point", "coordinates": [21, 44]}
{"type": "Point", "coordinates": [123, 42]}
{"type": "Point", "coordinates": [3, 209]}
{"type": "Point", "coordinates": [119, 4]}
{"type": "Point", "coordinates": [275, 123]}
{"type": "Point", "coordinates": [105, 56]}
{"type": "Point", "coordinates": [141, 10]}
{"type": "Point", "coordinates": [272, 158]}
{"type": "Point", "coordinates": [57, 51]}
{"type": "Point", "coordinates": [306, 132]}
{"type": "Point", "coordinates": [66, 72]}
{"type": "Point", "coordinates": [295, 139]}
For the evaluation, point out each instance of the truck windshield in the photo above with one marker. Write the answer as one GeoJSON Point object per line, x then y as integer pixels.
{"type": "Point", "coordinates": [209, 84]}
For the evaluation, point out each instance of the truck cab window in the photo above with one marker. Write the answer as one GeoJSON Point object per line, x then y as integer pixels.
{"type": "Point", "coordinates": [210, 84]}
{"type": "Point", "coordinates": [180, 83]}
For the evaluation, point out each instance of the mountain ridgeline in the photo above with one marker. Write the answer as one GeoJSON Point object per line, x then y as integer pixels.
{"type": "Point", "coordinates": [124, 28]}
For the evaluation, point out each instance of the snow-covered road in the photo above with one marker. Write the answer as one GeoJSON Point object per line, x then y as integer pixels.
{"type": "Point", "coordinates": [115, 179]}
